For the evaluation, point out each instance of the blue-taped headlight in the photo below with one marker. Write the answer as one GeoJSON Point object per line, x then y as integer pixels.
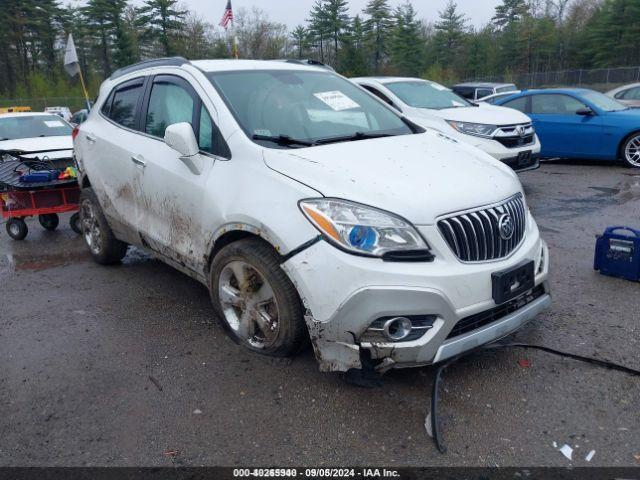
{"type": "Point", "coordinates": [362, 229]}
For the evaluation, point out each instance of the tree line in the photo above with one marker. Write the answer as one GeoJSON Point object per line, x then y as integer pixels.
{"type": "Point", "coordinates": [523, 36]}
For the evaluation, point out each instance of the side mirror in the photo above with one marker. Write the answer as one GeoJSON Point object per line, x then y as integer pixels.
{"type": "Point", "coordinates": [586, 112]}
{"type": "Point", "coordinates": [181, 138]}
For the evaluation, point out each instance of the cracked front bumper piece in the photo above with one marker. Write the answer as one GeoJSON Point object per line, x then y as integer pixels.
{"type": "Point", "coordinates": [345, 294]}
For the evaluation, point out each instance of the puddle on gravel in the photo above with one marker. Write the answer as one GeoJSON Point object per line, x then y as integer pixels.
{"type": "Point", "coordinates": [19, 262]}
{"type": "Point", "coordinates": [16, 262]}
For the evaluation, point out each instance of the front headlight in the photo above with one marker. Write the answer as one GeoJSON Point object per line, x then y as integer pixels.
{"type": "Point", "coordinates": [477, 129]}
{"type": "Point", "coordinates": [363, 230]}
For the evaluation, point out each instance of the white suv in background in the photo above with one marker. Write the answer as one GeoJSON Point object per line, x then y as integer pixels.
{"type": "Point", "coordinates": [311, 211]}
{"type": "Point", "coordinates": [504, 135]}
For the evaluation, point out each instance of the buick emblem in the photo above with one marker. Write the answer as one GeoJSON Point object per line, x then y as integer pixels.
{"type": "Point", "coordinates": [505, 226]}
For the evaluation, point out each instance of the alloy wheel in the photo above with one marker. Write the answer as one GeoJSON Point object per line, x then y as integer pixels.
{"type": "Point", "coordinates": [249, 304]}
{"type": "Point", "coordinates": [632, 151]}
{"type": "Point", "coordinates": [91, 228]}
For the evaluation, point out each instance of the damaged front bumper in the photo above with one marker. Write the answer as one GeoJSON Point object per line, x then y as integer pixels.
{"type": "Point", "coordinates": [345, 294]}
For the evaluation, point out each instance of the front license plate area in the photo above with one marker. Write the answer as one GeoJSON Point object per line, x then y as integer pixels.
{"type": "Point", "coordinates": [512, 283]}
{"type": "Point", "coordinates": [525, 159]}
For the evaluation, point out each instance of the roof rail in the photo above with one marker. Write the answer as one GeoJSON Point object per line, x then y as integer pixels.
{"type": "Point", "coordinates": [156, 62]}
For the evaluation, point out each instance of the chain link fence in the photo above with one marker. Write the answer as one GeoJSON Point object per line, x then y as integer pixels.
{"type": "Point", "coordinates": [602, 79]}
{"type": "Point", "coordinates": [39, 104]}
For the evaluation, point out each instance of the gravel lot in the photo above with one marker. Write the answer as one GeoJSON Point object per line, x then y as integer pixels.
{"type": "Point", "coordinates": [126, 366]}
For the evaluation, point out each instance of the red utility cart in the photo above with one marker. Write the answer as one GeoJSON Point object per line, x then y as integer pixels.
{"type": "Point", "coordinates": [19, 200]}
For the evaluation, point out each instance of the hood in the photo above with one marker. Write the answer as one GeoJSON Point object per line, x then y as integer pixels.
{"type": "Point", "coordinates": [483, 113]}
{"type": "Point", "coordinates": [38, 144]}
{"type": "Point", "coordinates": [419, 177]}
{"type": "Point", "coordinates": [631, 115]}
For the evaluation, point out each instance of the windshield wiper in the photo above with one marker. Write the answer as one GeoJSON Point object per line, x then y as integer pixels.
{"type": "Point", "coordinates": [352, 138]}
{"type": "Point", "coordinates": [285, 140]}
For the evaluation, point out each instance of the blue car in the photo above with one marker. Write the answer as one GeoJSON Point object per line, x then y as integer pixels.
{"type": "Point", "coordinates": [581, 123]}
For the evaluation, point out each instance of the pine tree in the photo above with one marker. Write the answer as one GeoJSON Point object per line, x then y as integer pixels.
{"type": "Point", "coordinates": [450, 32]}
{"type": "Point", "coordinates": [510, 12]}
{"type": "Point", "coordinates": [318, 27]}
{"type": "Point", "coordinates": [377, 29]}
{"type": "Point", "coordinates": [353, 61]}
{"type": "Point", "coordinates": [337, 19]}
{"type": "Point", "coordinates": [407, 45]}
{"type": "Point", "coordinates": [162, 23]}
{"type": "Point", "coordinates": [299, 37]}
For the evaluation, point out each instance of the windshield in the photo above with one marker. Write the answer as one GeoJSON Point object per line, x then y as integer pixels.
{"type": "Point", "coordinates": [426, 95]}
{"type": "Point", "coordinates": [603, 102]}
{"type": "Point", "coordinates": [306, 106]}
{"type": "Point", "coordinates": [31, 126]}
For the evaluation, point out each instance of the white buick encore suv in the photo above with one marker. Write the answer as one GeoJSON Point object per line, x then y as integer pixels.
{"type": "Point", "coordinates": [311, 211]}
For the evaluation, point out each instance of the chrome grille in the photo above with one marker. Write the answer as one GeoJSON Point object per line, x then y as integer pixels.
{"type": "Point", "coordinates": [475, 236]}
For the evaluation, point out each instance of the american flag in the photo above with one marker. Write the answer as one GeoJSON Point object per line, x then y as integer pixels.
{"type": "Point", "coordinates": [227, 17]}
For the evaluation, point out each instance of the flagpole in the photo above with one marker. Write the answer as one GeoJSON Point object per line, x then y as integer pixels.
{"type": "Point", "coordinates": [84, 88]}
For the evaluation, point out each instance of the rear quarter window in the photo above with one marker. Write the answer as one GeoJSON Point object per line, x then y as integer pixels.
{"type": "Point", "coordinates": [519, 104]}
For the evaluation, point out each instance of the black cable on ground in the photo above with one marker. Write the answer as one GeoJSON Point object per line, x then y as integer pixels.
{"type": "Point", "coordinates": [435, 424]}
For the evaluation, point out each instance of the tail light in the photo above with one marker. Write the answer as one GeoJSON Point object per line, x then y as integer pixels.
{"type": "Point", "coordinates": [75, 132]}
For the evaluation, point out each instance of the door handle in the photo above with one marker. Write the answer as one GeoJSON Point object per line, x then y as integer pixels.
{"type": "Point", "coordinates": [137, 159]}
{"type": "Point", "coordinates": [90, 138]}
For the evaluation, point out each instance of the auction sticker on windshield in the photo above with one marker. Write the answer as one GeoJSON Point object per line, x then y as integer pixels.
{"type": "Point", "coordinates": [337, 100]}
{"type": "Point", "coordinates": [54, 124]}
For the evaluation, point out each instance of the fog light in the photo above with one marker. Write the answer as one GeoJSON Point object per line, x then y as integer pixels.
{"type": "Point", "coordinates": [397, 328]}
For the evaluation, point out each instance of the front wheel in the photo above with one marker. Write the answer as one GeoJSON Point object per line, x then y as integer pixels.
{"type": "Point", "coordinates": [631, 150]}
{"type": "Point", "coordinates": [105, 248]}
{"type": "Point", "coordinates": [17, 228]}
{"type": "Point", "coordinates": [255, 300]}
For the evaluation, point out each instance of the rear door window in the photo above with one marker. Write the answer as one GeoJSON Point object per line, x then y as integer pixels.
{"type": "Point", "coordinates": [124, 104]}
{"type": "Point", "coordinates": [484, 92]}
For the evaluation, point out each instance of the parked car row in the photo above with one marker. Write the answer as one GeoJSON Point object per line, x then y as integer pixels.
{"type": "Point", "coordinates": [380, 218]}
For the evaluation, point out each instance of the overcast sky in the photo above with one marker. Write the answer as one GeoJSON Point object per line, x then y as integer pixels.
{"type": "Point", "coordinates": [294, 12]}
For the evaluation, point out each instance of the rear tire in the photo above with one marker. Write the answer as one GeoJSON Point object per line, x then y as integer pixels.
{"type": "Point", "coordinates": [255, 301]}
{"type": "Point", "coordinates": [17, 228]}
{"type": "Point", "coordinates": [49, 221]}
{"type": "Point", "coordinates": [105, 248]}
{"type": "Point", "coordinates": [630, 150]}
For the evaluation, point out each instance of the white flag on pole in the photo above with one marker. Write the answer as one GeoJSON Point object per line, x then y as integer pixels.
{"type": "Point", "coordinates": [71, 63]}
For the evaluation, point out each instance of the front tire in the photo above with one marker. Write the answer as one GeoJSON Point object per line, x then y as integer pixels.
{"type": "Point", "coordinates": [105, 248]}
{"type": "Point", "coordinates": [631, 150]}
{"type": "Point", "coordinates": [17, 228]}
{"type": "Point", "coordinates": [255, 300]}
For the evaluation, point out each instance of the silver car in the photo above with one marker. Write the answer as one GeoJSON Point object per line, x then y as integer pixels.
{"type": "Point", "coordinates": [628, 94]}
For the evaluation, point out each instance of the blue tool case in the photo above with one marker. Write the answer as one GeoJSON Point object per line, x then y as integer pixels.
{"type": "Point", "coordinates": [618, 254]}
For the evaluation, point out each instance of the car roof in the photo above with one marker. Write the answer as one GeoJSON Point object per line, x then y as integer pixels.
{"type": "Point", "coordinates": [483, 84]}
{"type": "Point", "coordinates": [27, 114]}
{"type": "Point", "coordinates": [554, 90]}
{"type": "Point", "coordinates": [624, 87]}
{"type": "Point", "coordinates": [384, 80]}
{"type": "Point", "coordinates": [238, 65]}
